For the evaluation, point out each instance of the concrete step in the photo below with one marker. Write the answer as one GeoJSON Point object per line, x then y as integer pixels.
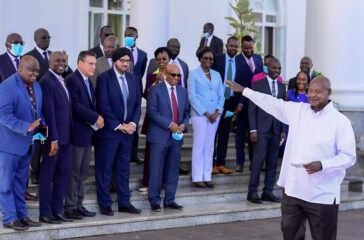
{"type": "Point", "coordinates": [191, 215]}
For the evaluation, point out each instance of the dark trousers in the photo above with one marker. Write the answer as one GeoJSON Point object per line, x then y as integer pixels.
{"type": "Point", "coordinates": [134, 151]}
{"type": "Point", "coordinates": [35, 159]}
{"type": "Point", "coordinates": [242, 129]}
{"type": "Point", "coordinates": [81, 157]}
{"type": "Point", "coordinates": [146, 164]}
{"type": "Point", "coordinates": [53, 179]}
{"type": "Point", "coordinates": [322, 219]}
{"type": "Point", "coordinates": [164, 165]}
{"type": "Point", "coordinates": [223, 132]}
{"type": "Point", "coordinates": [109, 153]}
{"type": "Point", "coordinates": [266, 149]}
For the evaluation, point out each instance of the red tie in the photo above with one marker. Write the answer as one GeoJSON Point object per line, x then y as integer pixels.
{"type": "Point", "coordinates": [174, 106]}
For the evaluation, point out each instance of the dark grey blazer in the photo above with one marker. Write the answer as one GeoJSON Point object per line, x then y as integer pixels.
{"type": "Point", "coordinates": [259, 119]}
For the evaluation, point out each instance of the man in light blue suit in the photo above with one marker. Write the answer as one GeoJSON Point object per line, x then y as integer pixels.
{"type": "Point", "coordinates": [168, 111]}
{"type": "Point", "coordinates": [20, 115]}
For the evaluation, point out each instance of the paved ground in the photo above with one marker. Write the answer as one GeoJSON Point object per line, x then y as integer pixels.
{"type": "Point", "coordinates": [350, 228]}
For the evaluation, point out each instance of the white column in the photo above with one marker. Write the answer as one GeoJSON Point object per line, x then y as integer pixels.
{"type": "Point", "coordinates": [334, 40]}
{"type": "Point", "coordinates": [151, 19]}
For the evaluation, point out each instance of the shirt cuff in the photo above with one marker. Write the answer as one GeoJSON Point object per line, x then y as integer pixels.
{"type": "Point", "coordinates": [115, 129]}
{"type": "Point", "coordinates": [55, 141]}
{"type": "Point", "coordinates": [253, 131]}
{"type": "Point", "coordinates": [247, 92]}
{"type": "Point", "coordinates": [133, 124]}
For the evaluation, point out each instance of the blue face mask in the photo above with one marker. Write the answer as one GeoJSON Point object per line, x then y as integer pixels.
{"type": "Point", "coordinates": [178, 136]}
{"type": "Point", "coordinates": [129, 42]}
{"type": "Point", "coordinates": [206, 34]}
{"type": "Point", "coordinates": [38, 137]}
{"type": "Point", "coordinates": [16, 49]}
{"type": "Point", "coordinates": [228, 114]}
{"type": "Point", "coordinates": [265, 69]}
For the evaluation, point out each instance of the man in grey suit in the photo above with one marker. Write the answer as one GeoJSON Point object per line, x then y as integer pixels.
{"type": "Point", "coordinates": [104, 63]}
{"type": "Point", "coordinates": [174, 47]}
{"type": "Point", "coordinates": [266, 132]}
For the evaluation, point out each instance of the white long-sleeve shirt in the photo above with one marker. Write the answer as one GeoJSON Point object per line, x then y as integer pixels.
{"type": "Point", "coordinates": [325, 136]}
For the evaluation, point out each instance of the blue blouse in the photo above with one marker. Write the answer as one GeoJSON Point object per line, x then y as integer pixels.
{"type": "Point", "coordinates": [301, 97]}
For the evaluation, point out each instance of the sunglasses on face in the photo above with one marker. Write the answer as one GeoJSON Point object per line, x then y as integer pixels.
{"type": "Point", "coordinates": [20, 42]}
{"type": "Point", "coordinates": [175, 75]}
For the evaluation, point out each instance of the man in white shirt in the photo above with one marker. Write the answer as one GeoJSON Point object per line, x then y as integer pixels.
{"type": "Point", "coordinates": [320, 147]}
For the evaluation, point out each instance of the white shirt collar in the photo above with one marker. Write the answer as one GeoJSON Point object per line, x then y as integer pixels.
{"type": "Point", "coordinates": [41, 51]}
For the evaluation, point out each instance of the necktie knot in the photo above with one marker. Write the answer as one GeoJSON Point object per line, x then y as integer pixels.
{"type": "Point", "coordinates": [16, 62]}
{"type": "Point", "coordinates": [45, 54]}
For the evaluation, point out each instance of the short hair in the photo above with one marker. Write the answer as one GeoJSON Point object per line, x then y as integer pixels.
{"type": "Point", "coordinates": [203, 51]}
{"type": "Point", "coordinates": [103, 27]}
{"type": "Point", "coordinates": [247, 38]}
{"type": "Point", "coordinates": [83, 54]}
{"type": "Point", "coordinates": [269, 56]}
{"type": "Point", "coordinates": [274, 60]}
{"type": "Point", "coordinates": [210, 25]}
{"type": "Point", "coordinates": [132, 28]}
{"type": "Point", "coordinates": [232, 38]}
{"type": "Point", "coordinates": [161, 50]}
{"type": "Point", "coordinates": [111, 37]}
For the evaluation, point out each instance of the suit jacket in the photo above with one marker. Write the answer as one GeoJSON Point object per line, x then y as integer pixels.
{"type": "Point", "coordinates": [159, 110]}
{"type": "Point", "coordinates": [220, 66]}
{"type": "Point", "coordinates": [152, 66]}
{"type": "Point", "coordinates": [6, 67]}
{"type": "Point", "coordinates": [16, 115]}
{"type": "Point", "coordinates": [216, 45]}
{"type": "Point", "coordinates": [110, 103]}
{"type": "Point", "coordinates": [97, 50]}
{"type": "Point", "coordinates": [102, 64]}
{"type": "Point", "coordinates": [56, 109]}
{"type": "Point", "coordinates": [44, 65]}
{"type": "Point", "coordinates": [83, 109]}
{"type": "Point", "coordinates": [260, 120]}
{"type": "Point", "coordinates": [139, 68]}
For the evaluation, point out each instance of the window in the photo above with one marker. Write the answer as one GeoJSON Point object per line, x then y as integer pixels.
{"type": "Point", "coordinates": [115, 13]}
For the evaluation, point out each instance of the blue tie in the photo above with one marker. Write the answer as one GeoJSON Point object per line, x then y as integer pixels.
{"type": "Point", "coordinates": [88, 88]}
{"type": "Point", "coordinates": [124, 90]}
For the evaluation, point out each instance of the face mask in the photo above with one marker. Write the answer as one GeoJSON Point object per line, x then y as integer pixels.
{"type": "Point", "coordinates": [129, 42]}
{"type": "Point", "coordinates": [38, 137]}
{"type": "Point", "coordinates": [178, 136]}
{"type": "Point", "coordinates": [16, 49]}
{"type": "Point", "coordinates": [228, 114]}
{"type": "Point", "coordinates": [206, 34]}
{"type": "Point", "coordinates": [265, 69]}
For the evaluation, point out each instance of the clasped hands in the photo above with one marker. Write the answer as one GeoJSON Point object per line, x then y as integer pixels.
{"type": "Point", "coordinates": [212, 117]}
{"type": "Point", "coordinates": [128, 128]}
{"type": "Point", "coordinates": [175, 128]}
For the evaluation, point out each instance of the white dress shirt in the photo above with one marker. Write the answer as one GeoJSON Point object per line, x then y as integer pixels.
{"type": "Point", "coordinates": [325, 136]}
{"type": "Point", "coordinates": [41, 51]}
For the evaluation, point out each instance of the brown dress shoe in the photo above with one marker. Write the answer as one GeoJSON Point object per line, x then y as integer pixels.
{"type": "Point", "coordinates": [199, 184]}
{"type": "Point", "coordinates": [215, 170]}
{"type": "Point", "coordinates": [30, 197]}
{"type": "Point", "coordinates": [224, 170]}
{"type": "Point", "coordinates": [209, 184]}
{"type": "Point", "coordinates": [16, 225]}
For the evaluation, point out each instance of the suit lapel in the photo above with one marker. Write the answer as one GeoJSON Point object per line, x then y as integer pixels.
{"type": "Point", "coordinates": [166, 93]}
{"type": "Point", "coordinates": [181, 103]}
{"type": "Point", "coordinates": [116, 85]}
{"type": "Point", "coordinates": [59, 85]}
{"type": "Point", "coordinates": [25, 93]}
{"type": "Point", "coordinates": [80, 78]}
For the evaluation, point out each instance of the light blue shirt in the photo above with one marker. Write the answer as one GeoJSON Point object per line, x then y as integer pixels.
{"type": "Point", "coordinates": [205, 95]}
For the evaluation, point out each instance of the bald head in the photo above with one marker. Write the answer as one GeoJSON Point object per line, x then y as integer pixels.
{"type": "Point", "coordinates": [324, 81]}
{"type": "Point", "coordinates": [28, 69]}
{"type": "Point", "coordinates": [173, 74]}
{"type": "Point", "coordinates": [306, 64]}
{"type": "Point", "coordinates": [57, 62]}
{"type": "Point", "coordinates": [319, 92]}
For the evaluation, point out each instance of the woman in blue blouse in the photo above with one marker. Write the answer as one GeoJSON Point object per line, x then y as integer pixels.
{"type": "Point", "coordinates": [299, 93]}
{"type": "Point", "coordinates": [206, 96]}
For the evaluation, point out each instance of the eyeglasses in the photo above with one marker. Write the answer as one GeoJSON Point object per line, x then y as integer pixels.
{"type": "Point", "coordinates": [16, 42]}
{"type": "Point", "coordinates": [46, 37]}
{"type": "Point", "coordinates": [208, 58]}
{"type": "Point", "coordinates": [175, 75]}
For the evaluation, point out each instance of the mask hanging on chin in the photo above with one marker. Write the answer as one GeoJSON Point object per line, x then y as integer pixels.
{"type": "Point", "coordinates": [16, 49]}
{"type": "Point", "coordinates": [129, 42]}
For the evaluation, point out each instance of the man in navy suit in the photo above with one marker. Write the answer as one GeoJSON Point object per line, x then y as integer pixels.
{"type": "Point", "coordinates": [230, 69]}
{"type": "Point", "coordinates": [168, 110]}
{"type": "Point", "coordinates": [210, 40]}
{"type": "Point", "coordinates": [85, 121]}
{"type": "Point", "coordinates": [266, 132]}
{"type": "Point", "coordinates": [20, 115]}
{"type": "Point", "coordinates": [56, 165]}
{"type": "Point", "coordinates": [119, 102]}
{"type": "Point", "coordinates": [250, 64]}
{"type": "Point", "coordinates": [105, 31]}
{"type": "Point", "coordinates": [9, 61]}
{"type": "Point", "coordinates": [137, 67]}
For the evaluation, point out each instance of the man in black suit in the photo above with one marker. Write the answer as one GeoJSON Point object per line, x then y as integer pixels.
{"type": "Point", "coordinates": [266, 132]}
{"type": "Point", "coordinates": [85, 121]}
{"type": "Point", "coordinates": [210, 40]}
{"type": "Point", "coordinates": [9, 61]}
{"type": "Point", "coordinates": [105, 31]}
{"type": "Point", "coordinates": [228, 65]}
{"type": "Point", "coordinates": [305, 66]}
{"type": "Point", "coordinates": [137, 66]}
{"type": "Point", "coordinates": [41, 53]}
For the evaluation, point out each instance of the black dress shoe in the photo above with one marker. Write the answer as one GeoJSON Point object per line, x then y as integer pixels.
{"type": "Point", "coordinates": [16, 225]}
{"type": "Point", "coordinates": [129, 209]}
{"type": "Point", "coordinates": [269, 196]}
{"type": "Point", "coordinates": [209, 184]}
{"type": "Point", "coordinates": [30, 223]}
{"type": "Point", "coordinates": [254, 198]}
{"type": "Point", "coordinates": [85, 213]}
{"type": "Point", "coordinates": [138, 159]}
{"type": "Point", "coordinates": [174, 205]}
{"type": "Point", "coordinates": [106, 211]}
{"type": "Point", "coordinates": [73, 214]}
{"type": "Point", "coordinates": [199, 184]}
{"type": "Point", "coordinates": [34, 180]}
{"type": "Point", "coordinates": [183, 171]}
{"type": "Point", "coordinates": [62, 218]}
{"type": "Point", "coordinates": [49, 219]}
{"type": "Point", "coordinates": [156, 207]}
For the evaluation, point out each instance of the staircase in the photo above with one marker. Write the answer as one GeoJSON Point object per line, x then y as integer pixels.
{"type": "Point", "coordinates": [224, 203]}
